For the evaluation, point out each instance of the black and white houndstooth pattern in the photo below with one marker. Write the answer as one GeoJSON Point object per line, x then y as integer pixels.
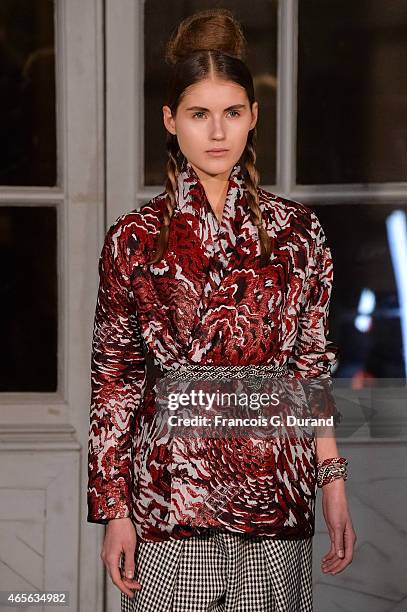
{"type": "Point", "coordinates": [223, 572]}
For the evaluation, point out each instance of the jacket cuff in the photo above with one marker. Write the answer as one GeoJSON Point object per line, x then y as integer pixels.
{"type": "Point", "coordinates": [111, 504]}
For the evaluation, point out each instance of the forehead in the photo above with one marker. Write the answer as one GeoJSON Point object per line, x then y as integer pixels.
{"type": "Point", "coordinates": [212, 93]}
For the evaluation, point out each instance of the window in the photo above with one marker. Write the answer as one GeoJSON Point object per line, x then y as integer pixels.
{"type": "Point", "coordinates": [368, 296]}
{"type": "Point", "coordinates": [352, 91]}
{"type": "Point", "coordinates": [28, 225]}
{"type": "Point", "coordinates": [27, 93]}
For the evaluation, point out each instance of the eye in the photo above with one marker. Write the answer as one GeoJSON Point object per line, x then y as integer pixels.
{"type": "Point", "coordinates": [200, 113]}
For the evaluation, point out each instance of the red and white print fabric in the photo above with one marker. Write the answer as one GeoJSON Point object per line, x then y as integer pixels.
{"type": "Point", "coordinates": [207, 302]}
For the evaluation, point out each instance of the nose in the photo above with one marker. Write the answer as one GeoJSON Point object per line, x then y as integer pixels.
{"type": "Point", "coordinates": [217, 130]}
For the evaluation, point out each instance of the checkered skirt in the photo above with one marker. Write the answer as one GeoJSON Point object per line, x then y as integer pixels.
{"type": "Point", "coordinates": [222, 571]}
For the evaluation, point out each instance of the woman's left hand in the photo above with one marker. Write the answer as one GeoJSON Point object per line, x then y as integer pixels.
{"type": "Point", "coordinates": [340, 527]}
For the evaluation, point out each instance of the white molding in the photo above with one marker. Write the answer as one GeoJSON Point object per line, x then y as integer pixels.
{"type": "Point", "coordinates": [287, 95]}
{"type": "Point", "coordinates": [81, 232]}
{"type": "Point", "coordinates": [372, 441]}
{"type": "Point", "coordinates": [31, 196]}
{"type": "Point", "coordinates": [33, 414]}
{"type": "Point", "coordinates": [38, 437]}
{"type": "Point", "coordinates": [124, 105]}
{"type": "Point", "coordinates": [380, 193]}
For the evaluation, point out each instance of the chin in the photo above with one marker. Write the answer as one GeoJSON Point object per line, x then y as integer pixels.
{"type": "Point", "coordinates": [217, 162]}
{"type": "Point", "coordinates": [218, 168]}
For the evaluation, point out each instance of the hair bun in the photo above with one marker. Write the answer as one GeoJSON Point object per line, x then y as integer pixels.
{"type": "Point", "coordinates": [210, 30]}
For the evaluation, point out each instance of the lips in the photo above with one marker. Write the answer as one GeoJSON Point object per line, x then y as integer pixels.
{"type": "Point", "coordinates": [217, 152]}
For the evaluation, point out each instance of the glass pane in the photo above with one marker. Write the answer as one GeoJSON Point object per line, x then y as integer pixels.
{"type": "Point", "coordinates": [27, 93]}
{"type": "Point", "coordinates": [369, 298]}
{"type": "Point", "coordinates": [259, 21]}
{"type": "Point", "coordinates": [28, 304]}
{"type": "Point", "coordinates": [352, 91]}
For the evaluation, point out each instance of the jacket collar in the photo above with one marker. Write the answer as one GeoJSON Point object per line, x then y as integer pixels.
{"type": "Point", "coordinates": [216, 238]}
{"type": "Point", "coordinates": [190, 187]}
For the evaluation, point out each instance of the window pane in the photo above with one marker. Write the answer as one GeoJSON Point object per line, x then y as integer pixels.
{"type": "Point", "coordinates": [259, 21]}
{"type": "Point", "coordinates": [27, 93]}
{"type": "Point", "coordinates": [28, 304]}
{"type": "Point", "coordinates": [368, 244]}
{"type": "Point", "coordinates": [352, 91]}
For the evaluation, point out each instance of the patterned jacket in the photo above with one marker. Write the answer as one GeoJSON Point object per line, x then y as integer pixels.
{"type": "Point", "coordinates": [206, 302]}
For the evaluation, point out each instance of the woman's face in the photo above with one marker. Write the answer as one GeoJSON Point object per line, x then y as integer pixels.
{"type": "Point", "coordinates": [213, 114]}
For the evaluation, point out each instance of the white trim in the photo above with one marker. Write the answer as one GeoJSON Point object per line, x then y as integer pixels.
{"type": "Point", "coordinates": [380, 193]}
{"type": "Point", "coordinates": [31, 196]}
{"type": "Point", "coordinates": [39, 438]}
{"type": "Point", "coordinates": [286, 95]}
{"type": "Point", "coordinates": [124, 96]}
{"type": "Point", "coordinates": [379, 441]}
{"type": "Point", "coordinates": [80, 30]}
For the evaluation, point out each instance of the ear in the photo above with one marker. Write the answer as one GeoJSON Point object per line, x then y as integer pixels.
{"type": "Point", "coordinates": [255, 112]}
{"type": "Point", "coordinates": [168, 120]}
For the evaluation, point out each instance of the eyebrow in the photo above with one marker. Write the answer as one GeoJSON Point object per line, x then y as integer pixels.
{"type": "Point", "coordinates": [201, 108]}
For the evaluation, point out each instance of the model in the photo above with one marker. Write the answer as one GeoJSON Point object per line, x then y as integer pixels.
{"type": "Point", "coordinates": [212, 278]}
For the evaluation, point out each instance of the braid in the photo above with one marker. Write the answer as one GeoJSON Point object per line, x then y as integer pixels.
{"type": "Point", "coordinates": [170, 201]}
{"type": "Point", "coordinates": [252, 180]}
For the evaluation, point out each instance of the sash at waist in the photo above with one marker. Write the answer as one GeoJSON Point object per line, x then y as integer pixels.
{"type": "Point", "coordinates": [215, 372]}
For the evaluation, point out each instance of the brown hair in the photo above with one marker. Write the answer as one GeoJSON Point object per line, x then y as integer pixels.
{"type": "Point", "coordinates": [208, 42]}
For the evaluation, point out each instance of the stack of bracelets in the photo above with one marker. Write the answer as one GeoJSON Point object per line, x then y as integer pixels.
{"type": "Point", "coordinates": [330, 469]}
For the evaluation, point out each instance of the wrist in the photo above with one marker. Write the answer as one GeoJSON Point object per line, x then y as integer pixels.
{"type": "Point", "coordinates": [335, 485]}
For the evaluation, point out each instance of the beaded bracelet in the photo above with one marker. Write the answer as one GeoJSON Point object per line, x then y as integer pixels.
{"type": "Point", "coordinates": [331, 469]}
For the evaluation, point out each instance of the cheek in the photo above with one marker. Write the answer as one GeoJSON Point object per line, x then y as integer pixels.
{"type": "Point", "coordinates": [190, 137]}
{"type": "Point", "coordinates": [239, 133]}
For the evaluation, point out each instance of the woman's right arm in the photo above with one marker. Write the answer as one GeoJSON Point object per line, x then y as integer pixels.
{"type": "Point", "coordinates": [118, 376]}
{"type": "Point", "coordinates": [314, 356]}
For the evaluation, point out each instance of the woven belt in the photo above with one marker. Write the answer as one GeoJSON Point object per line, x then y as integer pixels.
{"type": "Point", "coordinates": [195, 371]}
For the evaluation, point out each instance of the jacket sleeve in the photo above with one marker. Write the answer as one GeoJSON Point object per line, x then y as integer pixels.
{"type": "Point", "coordinates": [117, 386]}
{"type": "Point", "coordinates": [314, 355]}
